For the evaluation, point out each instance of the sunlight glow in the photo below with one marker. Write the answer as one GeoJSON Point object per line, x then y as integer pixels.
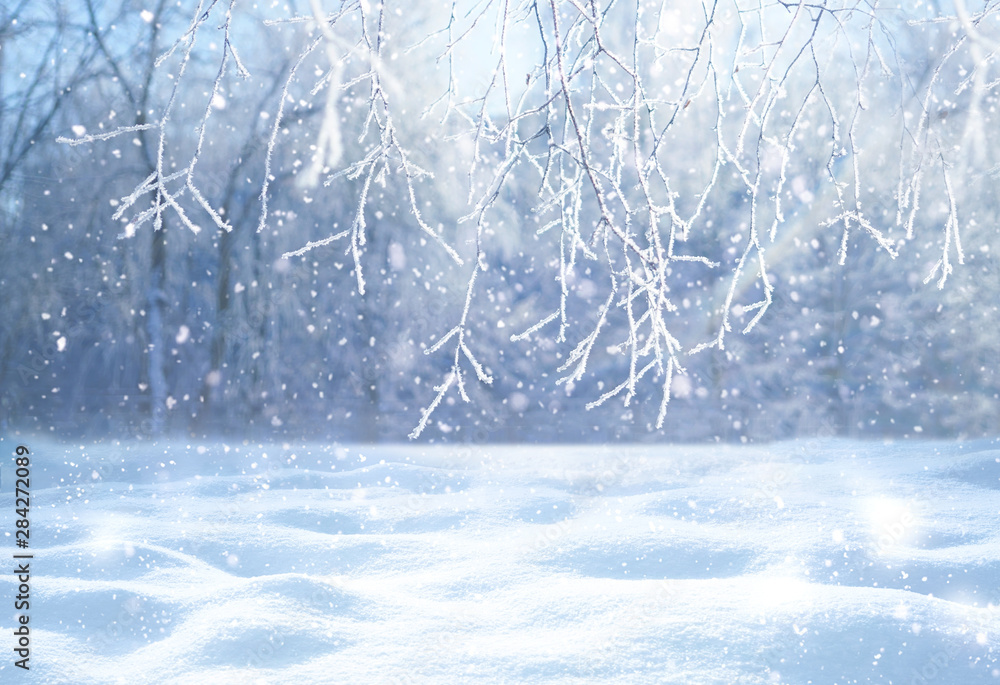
{"type": "Point", "coordinates": [892, 523]}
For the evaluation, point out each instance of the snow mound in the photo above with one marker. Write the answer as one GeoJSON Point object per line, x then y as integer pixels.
{"type": "Point", "coordinates": [803, 562]}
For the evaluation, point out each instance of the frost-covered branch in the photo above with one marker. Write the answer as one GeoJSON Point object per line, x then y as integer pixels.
{"type": "Point", "coordinates": [668, 152]}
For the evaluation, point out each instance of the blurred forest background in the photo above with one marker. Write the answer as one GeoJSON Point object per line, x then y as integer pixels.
{"type": "Point", "coordinates": [108, 329]}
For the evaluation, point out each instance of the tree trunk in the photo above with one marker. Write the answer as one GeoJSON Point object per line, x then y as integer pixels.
{"type": "Point", "coordinates": [155, 358]}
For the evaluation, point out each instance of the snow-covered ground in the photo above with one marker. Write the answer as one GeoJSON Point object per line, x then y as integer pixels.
{"type": "Point", "coordinates": [803, 562]}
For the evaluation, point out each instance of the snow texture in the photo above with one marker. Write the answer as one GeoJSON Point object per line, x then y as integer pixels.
{"type": "Point", "coordinates": [802, 562]}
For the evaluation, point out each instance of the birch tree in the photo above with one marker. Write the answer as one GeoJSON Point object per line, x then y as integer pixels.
{"type": "Point", "coordinates": [666, 153]}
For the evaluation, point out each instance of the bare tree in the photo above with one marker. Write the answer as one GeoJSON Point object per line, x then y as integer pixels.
{"type": "Point", "coordinates": [633, 129]}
